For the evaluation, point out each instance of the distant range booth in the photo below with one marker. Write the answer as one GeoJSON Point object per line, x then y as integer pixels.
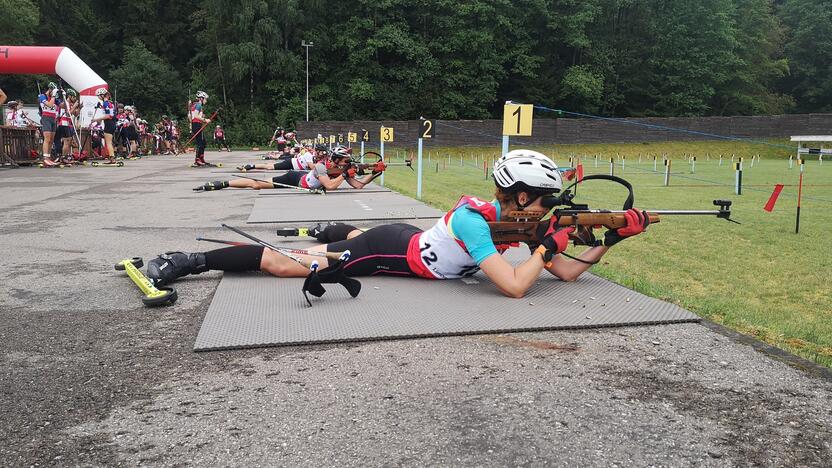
{"type": "Point", "coordinates": [813, 144]}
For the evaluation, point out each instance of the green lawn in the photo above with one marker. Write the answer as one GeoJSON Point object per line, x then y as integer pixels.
{"type": "Point", "coordinates": [759, 278]}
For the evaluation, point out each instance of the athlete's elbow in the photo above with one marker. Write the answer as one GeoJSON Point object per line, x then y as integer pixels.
{"type": "Point", "coordinates": [514, 292]}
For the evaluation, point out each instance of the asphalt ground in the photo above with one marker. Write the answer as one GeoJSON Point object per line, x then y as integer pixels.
{"type": "Point", "coordinates": [92, 377]}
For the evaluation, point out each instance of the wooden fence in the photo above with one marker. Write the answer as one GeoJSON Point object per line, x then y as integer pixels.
{"type": "Point", "coordinates": [16, 145]}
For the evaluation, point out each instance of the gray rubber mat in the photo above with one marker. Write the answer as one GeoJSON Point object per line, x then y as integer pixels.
{"type": "Point", "coordinates": [344, 189]}
{"type": "Point", "coordinates": [356, 206]}
{"type": "Point", "coordinates": [254, 310]}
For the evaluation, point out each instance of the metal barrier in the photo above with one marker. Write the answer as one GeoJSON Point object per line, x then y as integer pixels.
{"type": "Point", "coordinates": [16, 145]}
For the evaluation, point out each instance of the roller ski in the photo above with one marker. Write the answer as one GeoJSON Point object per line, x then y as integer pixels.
{"type": "Point", "coordinates": [48, 162]}
{"type": "Point", "coordinates": [107, 164]}
{"type": "Point", "coordinates": [324, 232]}
{"type": "Point", "coordinates": [169, 266]}
{"type": "Point", "coordinates": [153, 296]}
{"type": "Point", "coordinates": [210, 186]}
{"type": "Point", "coordinates": [205, 164]}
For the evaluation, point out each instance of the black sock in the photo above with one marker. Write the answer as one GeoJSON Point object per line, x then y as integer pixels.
{"type": "Point", "coordinates": [335, 232]}
{"type": "Point", "coordinates": [237, 258]}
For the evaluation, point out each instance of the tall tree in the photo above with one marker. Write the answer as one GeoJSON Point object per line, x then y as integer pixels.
{"type": "Point", "coordinates": [809, 52]}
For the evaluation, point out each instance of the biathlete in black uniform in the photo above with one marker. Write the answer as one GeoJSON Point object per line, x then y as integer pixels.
{"type": "Point", "coordinates": [198, 120]}
{"type": "Point", "coordinates": [458, 245]}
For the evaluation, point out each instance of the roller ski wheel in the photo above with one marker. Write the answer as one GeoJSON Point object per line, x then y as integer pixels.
{"type": "Point", "coordinates": [137, 262]}
{"type": "Point", "coordinates": [164, 297]}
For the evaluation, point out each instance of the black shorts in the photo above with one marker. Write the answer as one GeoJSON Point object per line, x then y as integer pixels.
{"type": "Point", "coordinates": [130, 134]}
{"type": "Point", "coordinates": [381, 250]}
{"type": "Point", "coordinates": [284, 165]}
{"type": "Point", "coordinates": [110, 126]}
{"type": "Point", "coordinates": [290, 178]}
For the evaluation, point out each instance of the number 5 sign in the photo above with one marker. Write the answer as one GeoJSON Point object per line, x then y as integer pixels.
{"type": "Point", "coordinates": [386, 134]}
{"type": "Point", "coordinates": [517, 120]}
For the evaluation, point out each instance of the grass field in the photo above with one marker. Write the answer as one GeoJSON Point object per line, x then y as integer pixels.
{"type": "Point", "coordinates": [759, 278]}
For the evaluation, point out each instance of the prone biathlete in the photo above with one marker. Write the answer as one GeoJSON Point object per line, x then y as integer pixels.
{"type": "Point", "coordinates": [458, 245]}
{"type": "Point", "coordinates": [303, 161]}
{"type": "Point", "coordinates": [316, 178]}
{"type": "Point", "coordinates": [198, 121]}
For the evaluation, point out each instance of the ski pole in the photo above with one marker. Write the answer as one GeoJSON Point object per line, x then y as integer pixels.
{"type": "Point", "coordinates": [181, 148]}
{"type": "Point", "coordinates": [313, 253]}
{"type": "Point", "coordinates": [278, 184]}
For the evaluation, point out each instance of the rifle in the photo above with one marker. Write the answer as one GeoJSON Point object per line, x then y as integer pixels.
{"type": "Point", "coordinates": [525, 224]}
{"type": "Point", "coordinates": [182, 148]}
{"type": "Point", "coordinates": [360, 168]}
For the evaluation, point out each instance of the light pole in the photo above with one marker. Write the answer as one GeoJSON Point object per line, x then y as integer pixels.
{"type": "Point", "coordinates": [307, 45]}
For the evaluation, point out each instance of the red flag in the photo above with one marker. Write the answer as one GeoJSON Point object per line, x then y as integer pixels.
{"type": "Point", "coordinates": [580, 172]}
{"type": "Point", "coordinates": [773, 198]}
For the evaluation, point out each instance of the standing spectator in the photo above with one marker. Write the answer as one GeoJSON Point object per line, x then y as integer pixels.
{"type": "Point", "coordinates": [48, 115]}
{"type": "Point", "coordinates": [219, 139]}
{"type": "Point", "coordinates": [3, 97]}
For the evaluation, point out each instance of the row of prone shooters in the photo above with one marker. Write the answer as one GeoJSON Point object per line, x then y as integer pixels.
{"type": "Point", "coordinates": [528, 187]}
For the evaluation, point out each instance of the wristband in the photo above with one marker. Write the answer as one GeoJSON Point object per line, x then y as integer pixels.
{"type": "Point", "coordinates": [541, 249]}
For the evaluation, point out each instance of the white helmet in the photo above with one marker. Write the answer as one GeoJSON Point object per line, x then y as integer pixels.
{"type": "Point", "coordinates": [526, 169]}
{"type": "Point", "coordinates": [101, 91]}
{"type": "Point", "coordinates": [128, 108]}
{"type": "Point", "coordinates": [202, 95]}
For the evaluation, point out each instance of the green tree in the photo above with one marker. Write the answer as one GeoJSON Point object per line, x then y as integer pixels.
{"type": "Point", "coordinates": [809, 52]}
{"type": "Point", "coordinates": [147, 81]}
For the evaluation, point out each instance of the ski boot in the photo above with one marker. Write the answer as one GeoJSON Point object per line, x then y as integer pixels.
{"type": "Point", "coordinates": [215, 185]}
{"type": "Point", "coordinates": [167, 267]}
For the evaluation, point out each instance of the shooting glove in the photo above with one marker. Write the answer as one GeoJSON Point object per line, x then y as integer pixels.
{"type": "Point", "coordinates": [637, 222]}
{"type": "Point", "coordinates": [379, 167]}
{"type": "Point", "coordinates": [555, 243]}
{"type": "Point", "coordinates": [349, 172]}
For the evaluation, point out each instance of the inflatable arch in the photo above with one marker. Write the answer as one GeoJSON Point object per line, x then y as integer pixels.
{"type": "Point", "coordinates": [61, 61]}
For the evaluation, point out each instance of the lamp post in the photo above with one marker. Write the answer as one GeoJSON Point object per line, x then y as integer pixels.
{"type": "Point", "coordinates": [307, 45]}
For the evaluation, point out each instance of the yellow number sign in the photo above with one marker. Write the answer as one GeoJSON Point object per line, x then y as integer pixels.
{"type": "Point", "coordinates": [340, 138]}
{"type": "Point", "coordinates": [332, 138]}
{"type": "Point", "coordinates": [517, 120]}
{"type": "Point", "coordinates": [386, 134]}
{"type": "Point", "coordinates": [352, 137]}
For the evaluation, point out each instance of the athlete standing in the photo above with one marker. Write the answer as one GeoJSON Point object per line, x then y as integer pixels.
{"type": "Point", "coordinates": [108, 118]}
{"type": "Point", "coordinates": [198, 121]}
{"type": "Point", "coordinates": [48, 120]}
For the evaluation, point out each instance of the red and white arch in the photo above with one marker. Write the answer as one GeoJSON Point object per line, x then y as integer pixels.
{"type": "Point", "coordinates": [59, 61]}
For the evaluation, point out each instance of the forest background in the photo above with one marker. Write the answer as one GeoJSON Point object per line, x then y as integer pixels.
{"type": "Point", "coordinates": [448, 59]}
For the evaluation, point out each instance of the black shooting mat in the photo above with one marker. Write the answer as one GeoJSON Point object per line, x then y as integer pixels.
{"type": "Point", "coordinates": [357, 206]}
{"type": "Point", "coordinates": [257, 310]}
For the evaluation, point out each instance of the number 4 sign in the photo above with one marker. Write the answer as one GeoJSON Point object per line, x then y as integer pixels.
{"type": "Point", "coordinates": [517, 119]}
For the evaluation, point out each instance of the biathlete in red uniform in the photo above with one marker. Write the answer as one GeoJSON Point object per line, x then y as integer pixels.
{"type": "Point", "coordinates": [315, 179]}
{"type": "Point", "coordinates": [458, 245]}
